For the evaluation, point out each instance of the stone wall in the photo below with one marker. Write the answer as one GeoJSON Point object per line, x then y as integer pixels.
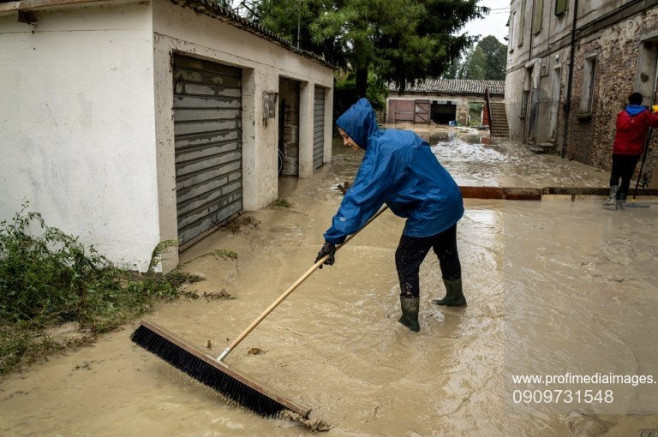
{"type": "Point", "coordinates": [617, 73]}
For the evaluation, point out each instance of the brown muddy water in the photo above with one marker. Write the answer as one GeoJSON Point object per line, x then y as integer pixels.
{"type": "Point", "coordinates": [556, 288]}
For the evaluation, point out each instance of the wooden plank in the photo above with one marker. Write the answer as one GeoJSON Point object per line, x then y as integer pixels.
{"type": "Point", "coordinates": [501, 193]}
{"type": "Point", "coordinates": [521, 193]}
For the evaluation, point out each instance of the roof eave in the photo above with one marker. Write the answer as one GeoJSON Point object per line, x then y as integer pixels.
{"type": "Point", "coordinates": [205, 7]}
{"type": "Point", "coordinates": [34, 5]}
{"type": "Point", "coordinates": [214, 10]}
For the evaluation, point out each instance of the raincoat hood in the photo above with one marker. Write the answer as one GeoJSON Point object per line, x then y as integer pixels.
{"type": "Point", "coordinates": [398, 169]}
{"type": "Point", "coordinates": [632, 110]}
{"type": "Point", "coordinates": [359, 122]}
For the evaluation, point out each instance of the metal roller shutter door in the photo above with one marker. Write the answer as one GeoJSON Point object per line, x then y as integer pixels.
{"type": "Point", "coordinates": [208, 145]}
{"type": "Point", "coordinates": [318, 128]}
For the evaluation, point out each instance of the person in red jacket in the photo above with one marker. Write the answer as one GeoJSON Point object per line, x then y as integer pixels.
{"type": "Point", "coordinates": [632, 126]}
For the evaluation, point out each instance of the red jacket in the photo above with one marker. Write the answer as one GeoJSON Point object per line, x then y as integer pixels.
{"type": "Point", "coordinates": [632, 130]}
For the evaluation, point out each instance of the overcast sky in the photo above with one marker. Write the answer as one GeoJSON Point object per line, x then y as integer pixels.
{"type": "Point", "coordinates": [494, 23]}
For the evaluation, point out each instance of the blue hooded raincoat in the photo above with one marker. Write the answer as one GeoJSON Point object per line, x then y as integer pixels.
{"type": "Point", "coordinates": [398, 169]}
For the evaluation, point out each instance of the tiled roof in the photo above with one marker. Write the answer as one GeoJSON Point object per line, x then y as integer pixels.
{"type": "Point", "coordinates": [454, 86]}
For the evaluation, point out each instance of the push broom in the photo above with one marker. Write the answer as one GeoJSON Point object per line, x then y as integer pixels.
{"type": "Point", "coordinates": [216, 374]}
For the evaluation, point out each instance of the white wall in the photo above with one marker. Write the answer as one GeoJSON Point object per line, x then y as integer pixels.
{"type": "Point", "coordinates": [76, 117]}
{"type": "Point", "coordinates": [86, 117]}
{"type": "Point", "coordinates": [263, 63]}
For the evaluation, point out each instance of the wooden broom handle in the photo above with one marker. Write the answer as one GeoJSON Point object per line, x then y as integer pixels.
{"type": "Point", "coordinates": [292, 288]}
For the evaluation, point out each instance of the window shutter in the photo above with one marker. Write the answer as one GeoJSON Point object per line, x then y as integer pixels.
{"type": "Point", "coordinates": [560, 7]}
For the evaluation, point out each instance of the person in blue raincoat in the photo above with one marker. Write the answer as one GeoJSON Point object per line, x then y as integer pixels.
{"type": "Point", "coordinates": [400, 170]}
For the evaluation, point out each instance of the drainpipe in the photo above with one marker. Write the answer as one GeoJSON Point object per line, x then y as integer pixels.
{"type": "Point", "coordinates": [567, 104]}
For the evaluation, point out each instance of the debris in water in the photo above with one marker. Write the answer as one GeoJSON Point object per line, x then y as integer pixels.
{"type": "Point", "coordinates": [222, 294]}
{"type": "Point", "coordinates": [281, 203]}
{"type": "Point", "coordinates": [236, 225]}
{"type": "Point", "coordinates": [314, 425]}
{"type": "Point", "coordinates": [255, 351]}
{"type": "Point", "coordinates": [344, 187]}
{"type": "Point", "coordinates": [209, 345]}
{"type": "Point", "coordinates": [583, 422]}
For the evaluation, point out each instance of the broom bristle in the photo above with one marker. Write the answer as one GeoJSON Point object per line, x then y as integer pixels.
{"type": "Point", "coordinates": [212, 373]}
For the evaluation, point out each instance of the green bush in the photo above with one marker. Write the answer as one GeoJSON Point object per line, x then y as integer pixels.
{"type": "Point", "coordinates": [48, 278]}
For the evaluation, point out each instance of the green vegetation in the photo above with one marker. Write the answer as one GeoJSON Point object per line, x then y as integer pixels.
{"type": "Point", "coordinates": [281, 203]}
{"type": "Point", "coordinates": [224, 254]}
{"type": "Point", "coordinates": [49, 279]}
{"type": "Point", "coordinates": [486, 61]}
{"type": "Point", "coordinates": [218, 254]}
{"type": "Point", "coordinates": [400, 41]}
{"type": "Point", "coordinates": [475, 113]}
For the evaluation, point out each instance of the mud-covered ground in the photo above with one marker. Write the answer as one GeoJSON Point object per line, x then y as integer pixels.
{"type": "Point", "coordinates": [557, 288]}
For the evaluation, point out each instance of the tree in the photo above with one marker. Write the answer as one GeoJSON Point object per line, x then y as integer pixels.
{"type": "Point", "coordinates": [475, 65]}
{"type": "Point", "coordinates": [487, 61]}
{"type": "Point", "coordinates": [437, 27]}
{"type": "Point", "coordinates": [496, 54]}
{"type": "Point", "coordinates": [292, 19]}
{"type": "Point", "coordinates": [452, 70]}
{"type": "Point", "coordinates": [402, 41]}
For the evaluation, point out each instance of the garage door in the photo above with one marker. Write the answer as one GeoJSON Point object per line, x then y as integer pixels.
{"type": "Point", "coordinates": [422, 111]}
{"type": "Point", "coordinates": [400, 111]}
{"type": "Point", "coordinates": [208, 145]}
{"type": "Point", "coordinates": [318, 128]}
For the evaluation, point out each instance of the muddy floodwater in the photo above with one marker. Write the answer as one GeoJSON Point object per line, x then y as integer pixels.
{"type": "Point", "coordinates": [558, 289]}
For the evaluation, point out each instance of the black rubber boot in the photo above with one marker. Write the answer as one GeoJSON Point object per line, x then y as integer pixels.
{"type": "Point", "coordinates": [621, 201]}
{"type": "Point", "coordinates": [454, 295]}
{"type": "Point", "coordinates": [410, 306]}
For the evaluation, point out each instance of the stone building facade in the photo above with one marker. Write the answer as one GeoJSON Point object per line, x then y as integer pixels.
{"type": "Point", "coordinates": [570, 71]}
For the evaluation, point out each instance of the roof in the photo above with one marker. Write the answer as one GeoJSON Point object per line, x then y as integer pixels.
{"type": "Point", "coordinates": [454, 86]}
{"type": "Point", "coordinates": [205, 7]}
{"type": "Point", "coordinates": [214, 10]}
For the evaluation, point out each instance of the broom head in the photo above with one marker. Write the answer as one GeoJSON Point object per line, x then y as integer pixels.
{"type": "Point", "coordinates": [215, 374]}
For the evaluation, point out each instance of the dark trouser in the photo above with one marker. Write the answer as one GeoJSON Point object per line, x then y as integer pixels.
{"type": "Point", "coordinates": [412, 251]}
{"type": "Point", "coordinates": [623, 166]}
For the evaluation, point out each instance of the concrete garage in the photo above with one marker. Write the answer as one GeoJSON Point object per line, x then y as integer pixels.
{"type": "Point", "coordinates": [440, 100]}
{"type": "Point", "coordinates": [128, 123]}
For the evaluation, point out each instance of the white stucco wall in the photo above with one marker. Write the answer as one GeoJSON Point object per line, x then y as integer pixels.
{"type": "Point", "coordinates": [263, 63]}
{"type": "Point", "coordinates": [87, 121]}
{"type": "Point", "coordinates": [76, 117]}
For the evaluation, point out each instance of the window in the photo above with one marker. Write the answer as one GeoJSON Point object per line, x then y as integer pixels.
{"type": "Point", "coordinates": [539, 14]}
{"type": "Point", "coordinates": [645, 80]}
{"type": "Point", "coordinates": [589, 71]}
{"type": "Point", "coordinates": [524, 103]}
{"type": "Point", "coordinates": [512, 29]}
{"type": "Point", "coordinates": [521, 28]}
{"type": "Point", "coordinates": [560, 7]}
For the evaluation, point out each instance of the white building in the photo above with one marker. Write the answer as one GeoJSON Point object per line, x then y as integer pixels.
{"type": "Point", "coordinates": [131, 122]}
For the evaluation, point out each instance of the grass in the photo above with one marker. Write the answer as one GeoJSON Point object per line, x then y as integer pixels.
{"type": "Point", "coordinates": [49, 279]}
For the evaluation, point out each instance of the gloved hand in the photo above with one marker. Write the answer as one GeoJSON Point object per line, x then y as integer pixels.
{"type": "Point", "coordinates": [327, 249]}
